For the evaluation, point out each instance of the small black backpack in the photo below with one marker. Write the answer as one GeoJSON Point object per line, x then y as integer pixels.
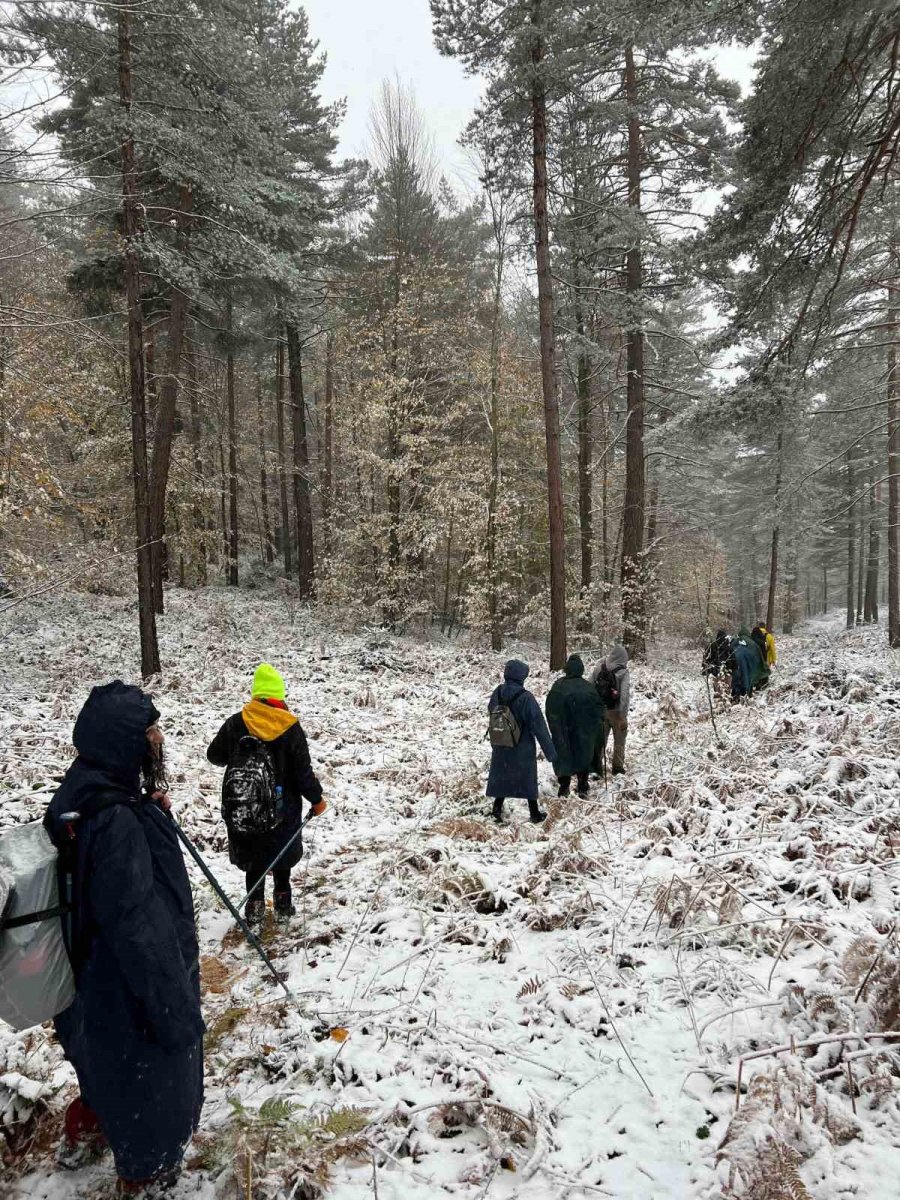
{"type": "Point", "coordinates": [503, 728]}
{"type": "Point", "coordinates": [608, 687]}
{"type": "Point", "coordinates": [249, 790]}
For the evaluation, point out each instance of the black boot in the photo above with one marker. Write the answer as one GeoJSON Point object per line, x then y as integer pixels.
{"type": "Point", "coordinates": [498, 810]}
{"type": "Point", "coordinates": [535, 813]}
{"type": "Point", "coordinates": [284, 908]}
{"type": "Point", "coordinates": [254, 913]}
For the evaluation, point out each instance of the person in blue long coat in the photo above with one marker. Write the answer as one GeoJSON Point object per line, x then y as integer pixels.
{"type": "Point", "coordinates": [133, 1033]}
{"type": "Point", "coordinates": [745, 657]}
{"type": "Point", "coordinates": [513, 770]}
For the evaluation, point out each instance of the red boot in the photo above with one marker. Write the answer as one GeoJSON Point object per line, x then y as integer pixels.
{"type": "Point", "coordinates": [83, 1140]}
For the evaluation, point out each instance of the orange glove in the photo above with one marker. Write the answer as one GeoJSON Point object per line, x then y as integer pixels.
{"type": "Point", "coordinates": [318, 808]}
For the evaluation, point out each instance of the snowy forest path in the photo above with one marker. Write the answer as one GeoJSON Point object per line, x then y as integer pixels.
{"type": "Point", "coordinates": [517, 1011]}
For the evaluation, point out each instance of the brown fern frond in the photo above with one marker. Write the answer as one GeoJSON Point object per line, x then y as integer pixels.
{"type": "Point", "coordinates": [530, 988]}
{"type": "Point", "coordinates": [464, 827]}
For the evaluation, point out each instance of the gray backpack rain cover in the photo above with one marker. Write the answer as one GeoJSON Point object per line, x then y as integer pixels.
{"type": "Point", "coordinates": [36, 981]}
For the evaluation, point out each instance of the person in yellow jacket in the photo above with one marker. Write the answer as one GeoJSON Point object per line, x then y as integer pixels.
{"type": "Point", "coordinates": [268, 719]}
{"type": "Point", "coordinates": [771, 650]}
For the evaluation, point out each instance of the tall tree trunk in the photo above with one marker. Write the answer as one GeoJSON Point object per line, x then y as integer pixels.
{"type": "Point", "coordinates": [268, 548]}
{"type": "Point", "coordinates": [773, 558]}
{"type": "Point", "coordinates": [633, 599]}
{"type": "Point", "coordinates": [548, 349]}
{"type": "Point", "coordinates": [150, 378]}
{"type": "Point", "coordinates": [651, 556]}
{"type": "Point", "coordinates": [166, 409]}
{"type": "Point", "coordinates": [150, 664]}
{"type": "Point", "coordinates": [302, 504]}
{"type": "Point", "coordinates": [851, 546]}
{"type": "Point", "coordinates": [328, 449]}
{"type": "Point", "coordinates": [861, 570]}
{"type": "Point", "coordinates": [773, 578]}
{"type": "Point", "coordinates": [494, 485]}
{"type": "Point", "coordinates": [233, 538]}
{"type": "Point", "coordinates": [286, 545]}
{"type": "Point", "coordinates": [893, 451]}
{"type": "Point", "coordinates": [585, 489]}
{"type": "Point", "coordinates": [790, 592]}
{"type": "Point", "coordinates": [606, 449]}
{"type": "Point", "coordinates": [223, 506]}
{"type": "Point", "coordinates": [871, 601]}
{"type": "Point", "coordinates": [824, 588]}
{"type": "Point", "coordinates": [199, 520]}
{"type": "Point", "coordinates": [445, 615]}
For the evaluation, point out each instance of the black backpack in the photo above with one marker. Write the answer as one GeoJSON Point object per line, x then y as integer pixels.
{"type": "Point", "coordinates": [249, 791]}
{"type": "Point", "coordinates": [503, 728]}
{"type": "Point", "coordinates": [608, 687]}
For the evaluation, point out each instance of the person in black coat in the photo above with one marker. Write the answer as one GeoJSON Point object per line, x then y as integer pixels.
{"type": "Point", "coordinates": [268, 718]}
{"type": "Point", "coordinates": [575, 714]}
{"type": "Point", "coordinates": [134, 1032]}
{"type": "Point", "coordinates": [514, 768]}
{"type": "Point", "coordinates": [717, 656]}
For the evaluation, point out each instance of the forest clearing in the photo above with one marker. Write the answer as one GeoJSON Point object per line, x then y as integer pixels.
{"type": "Point", "coordinates": [530, 1012]}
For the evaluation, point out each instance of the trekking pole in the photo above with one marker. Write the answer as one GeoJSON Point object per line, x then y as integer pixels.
{"type": "Point", "coordinates": [276, 860]}
{"type": "Point", "coordinates": [242, 924]}
{"type": "Point", "coordinates": [711, 710]}
{"type": "Point", "coordinates": [603, 765]}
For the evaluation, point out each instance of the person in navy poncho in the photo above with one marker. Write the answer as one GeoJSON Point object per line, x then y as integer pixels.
{"type": "Point", "coordinates": [134, 1033]}
{"type": "Point", "coordinates": [514, 769]}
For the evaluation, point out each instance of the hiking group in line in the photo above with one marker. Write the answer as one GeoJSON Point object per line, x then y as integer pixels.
{"type": "Point", "coordinates": [744, 662]}
{"type": "Point", "coordinates": [134, 1030]}
{"type": "Point", "coordinates": [581, 714]}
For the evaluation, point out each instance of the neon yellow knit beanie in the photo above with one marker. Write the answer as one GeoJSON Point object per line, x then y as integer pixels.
{"type": "Point", "coordinates": [267, 683]}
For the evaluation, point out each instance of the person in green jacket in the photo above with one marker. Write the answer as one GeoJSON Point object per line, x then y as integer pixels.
{"type": "Point", "coordinates": [575, 715]}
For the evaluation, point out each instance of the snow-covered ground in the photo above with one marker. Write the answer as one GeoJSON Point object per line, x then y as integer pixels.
{"type": "Point", "coordinates": [554, 1012]}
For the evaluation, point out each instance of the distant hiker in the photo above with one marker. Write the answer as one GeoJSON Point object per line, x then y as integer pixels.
{"type": "Point", "coordinates": [574, 714]}
{"type": "Point", "coordinates": [717, 655]}
{"type": "Point", "coordinates": [515, 721]}
{"type": "Point", "coordinates": [771, 648]}
{"type": "Point", "coordinates": [134, 1033]}
{"type": "Point", "coordinates": [760, 641]}
{"type": "Point", "coordinates": [612, 680]}
{"type": "Point", "coordinates": [745, 656]}
{"type": "Point", "coordinates": [268, 775]}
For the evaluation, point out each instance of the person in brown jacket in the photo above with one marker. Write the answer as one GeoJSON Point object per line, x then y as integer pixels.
{"type": "Point", "coordinates": [613, 681]}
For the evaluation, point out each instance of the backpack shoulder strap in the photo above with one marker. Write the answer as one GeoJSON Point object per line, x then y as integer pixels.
{"type": "Point", "coordinates": [520, 714]}
{"type": "Point", "coordinates": [100, 801]}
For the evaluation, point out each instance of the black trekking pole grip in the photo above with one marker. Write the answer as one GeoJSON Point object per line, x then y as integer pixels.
{"type": "Point", "coordinates": [242, 924]}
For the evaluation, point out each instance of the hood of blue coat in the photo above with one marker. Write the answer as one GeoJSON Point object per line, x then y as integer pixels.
{"type": "Point", "coordinates": [515, 671]}
{"type": "Point", "coordinates": [574, 667]}
{"type": "Point", "coordinates": [111, 730]}
{"type": "Point", "coordinates": [617, 657]}
{"type": "Point", "coordinates": [110, 736]}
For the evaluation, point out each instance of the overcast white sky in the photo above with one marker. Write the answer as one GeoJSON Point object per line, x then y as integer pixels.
{"type": "Point", "coordinates": [369, 40]}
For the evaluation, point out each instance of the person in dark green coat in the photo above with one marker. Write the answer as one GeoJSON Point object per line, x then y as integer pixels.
{"type": "Point", "coordinates": [574, 714]}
